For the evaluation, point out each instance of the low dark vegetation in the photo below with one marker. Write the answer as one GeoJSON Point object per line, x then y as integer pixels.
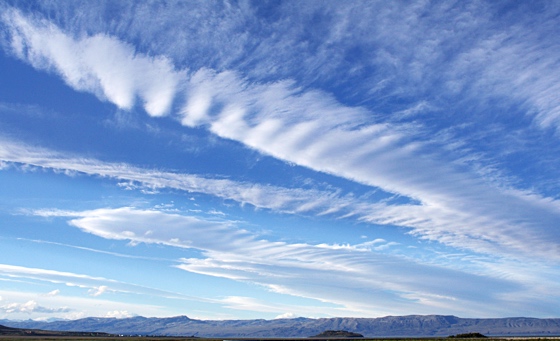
{"type": "Point", "coordinates": [337, 334]}
{"type": "Point", "coordinates": [468, 336]}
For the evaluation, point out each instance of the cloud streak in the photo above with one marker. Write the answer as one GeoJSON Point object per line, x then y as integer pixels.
{"type": "Point", "coordinates": [468, 214]}
{"type": "Point", "coordinates": [95, 285]}
{"type": "Point", "coordinates": [98, 64]}
{"type": "Point", "coordinates": [345, 276]}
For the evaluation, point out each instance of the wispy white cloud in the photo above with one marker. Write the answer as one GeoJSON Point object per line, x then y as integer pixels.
{"type": "Point", "coordinates": [252, 304]}
{"type": "Point", "coordinates": [261, 196]}
{"type": "Point", "coordinates": [53, 293]}
{"type": "Point", "coordinates": [372, 51]}
{"type": "Point", "coordinates": [461, 211]}
{"type": "Point", "coordinates": [310, 129]}
{"type": "Point", "coordinates": [286, 316]}
{"type": "Point", "coordinates": [518, 65]}
{"type": "Point", "coordinates": [98, 64]}
{"type": "Point", "coordinates": [95, 285]}
{"type": "Point", "coordinates": [116, 254]}
{"type": "Point", "coordinates": [49, 275]}
{"type": "Point", "coordinates": [119, 314]}
{"type": "Point", "coordinates": [98, 291]}
{"type": "Point", "coordinates": [30, 307]}
{"type": "Point", "coordinates": [341, 275]}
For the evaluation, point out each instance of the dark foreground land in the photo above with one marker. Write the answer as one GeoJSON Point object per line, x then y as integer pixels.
{"type": "Point", "coordinates": [22, 334]}
{"type": "Point", "coordinates": [168, 338]}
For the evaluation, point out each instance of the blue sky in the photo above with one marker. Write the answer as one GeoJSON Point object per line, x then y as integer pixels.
{"type": "Point", "coordinates": [234, 160]}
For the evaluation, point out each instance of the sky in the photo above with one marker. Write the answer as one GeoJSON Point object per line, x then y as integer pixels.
{"type": "Point", "coordinates": [278, 159]}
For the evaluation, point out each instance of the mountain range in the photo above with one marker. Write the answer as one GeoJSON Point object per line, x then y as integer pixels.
{"type": "Point", "coordinates": [390, 326]}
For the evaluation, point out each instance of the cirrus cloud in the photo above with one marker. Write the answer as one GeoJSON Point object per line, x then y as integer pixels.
{"type": "Point", "coordinates": [98, 64]}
